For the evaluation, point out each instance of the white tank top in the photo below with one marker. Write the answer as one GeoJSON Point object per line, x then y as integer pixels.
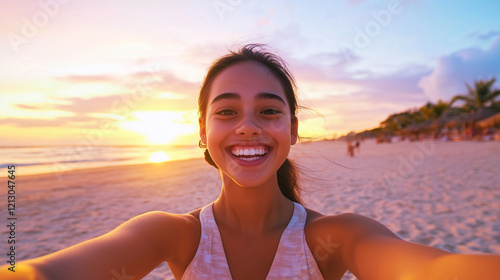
{"type": "Point", "coordinates": [293, 259]}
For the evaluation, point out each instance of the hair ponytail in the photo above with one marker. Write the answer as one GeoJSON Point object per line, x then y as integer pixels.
{"type": "Point", "coordinates": [288, 181]}
{"type": "Point", "coordinates": [209, 159]}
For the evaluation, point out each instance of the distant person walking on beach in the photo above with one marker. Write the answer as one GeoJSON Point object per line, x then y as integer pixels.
{"type": "Point", "coordinates": [258, 228]}
{"type": "Point", "coordinates": [350, 149]}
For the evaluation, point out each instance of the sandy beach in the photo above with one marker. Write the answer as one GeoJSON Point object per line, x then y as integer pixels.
{"type": "Point", "coordinates": [444, 194]}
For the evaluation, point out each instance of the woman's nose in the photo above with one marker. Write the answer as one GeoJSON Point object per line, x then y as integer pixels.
{"type": "Point", "coordinates": [248, 126]}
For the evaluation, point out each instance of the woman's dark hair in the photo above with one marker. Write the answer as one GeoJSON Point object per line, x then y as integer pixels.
{"type": "Point", "coordinates": [287, 174]}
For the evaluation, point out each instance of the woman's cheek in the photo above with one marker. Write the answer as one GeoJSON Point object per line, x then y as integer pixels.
{"type": "Point", "coordinates": [280, 125]}
{"type": "Point", "coordinates": [217, 131]}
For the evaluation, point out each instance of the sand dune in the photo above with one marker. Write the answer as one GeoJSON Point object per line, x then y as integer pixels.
{"type": "Point", "coordinates": [437, 193]}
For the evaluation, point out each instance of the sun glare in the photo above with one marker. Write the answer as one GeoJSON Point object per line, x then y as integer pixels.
{"type": "Point", "coordinates": [159, 156]}
{"type": "Point", "coordinates": [164, 127]}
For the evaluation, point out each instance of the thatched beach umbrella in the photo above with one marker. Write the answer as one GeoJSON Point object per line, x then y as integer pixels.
{"type": "Point", "coordinates": [484, 113]}
{"type": "Point", "coordinates": [490, 121]}
{"type": "Point", "coordinates": [427, 125]}
{"type": "Point", "coordinates": [454, 117]}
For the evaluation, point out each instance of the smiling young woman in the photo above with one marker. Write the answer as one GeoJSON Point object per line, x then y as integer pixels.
{"type": "Point", "coordinates": [258, 227]}
{"type": "Point", "coordinates": [248, 129]}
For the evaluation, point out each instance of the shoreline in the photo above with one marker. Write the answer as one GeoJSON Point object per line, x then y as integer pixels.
{"type": "Point", "coordinates": [110, 168]}
{"type": "Point", "coordinates": [33, 160]}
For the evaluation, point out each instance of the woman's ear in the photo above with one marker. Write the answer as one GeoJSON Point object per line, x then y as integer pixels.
{"type": "Point", "coordinates": [295, 130]}
{"type": "Point", "coordinates": [203, 132]}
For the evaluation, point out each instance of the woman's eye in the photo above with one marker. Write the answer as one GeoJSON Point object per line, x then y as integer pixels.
{"type": "Point", "coordinates": [226, 112]}
{"type": "Point", "coordinates": [271, 112]}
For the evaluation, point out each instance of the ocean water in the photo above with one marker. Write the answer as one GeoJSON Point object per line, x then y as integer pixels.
{"type": "Point", "coordinates": [49, 159]}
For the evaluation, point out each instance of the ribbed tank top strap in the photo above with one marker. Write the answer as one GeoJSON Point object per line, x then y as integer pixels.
{"type": "Point", "coordinates": [293, 259]}
{"type": "Point", "coordinates": [209, 261]}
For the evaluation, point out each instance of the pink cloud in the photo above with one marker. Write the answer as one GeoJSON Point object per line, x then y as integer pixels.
{"type": "Point", "coordinates": [86, 78]}
{"type": "Point", "coordinates": [72, 121]}
{"type": "Point", "coordinates": [26, 107]}
{"type": "Point", "coordinates": [465, 66]}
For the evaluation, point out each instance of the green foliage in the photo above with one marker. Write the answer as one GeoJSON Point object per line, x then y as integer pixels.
{"type": "Point", "coordinates": [482, 95]}
{"type": "Point", "coordinates": [407, 119]}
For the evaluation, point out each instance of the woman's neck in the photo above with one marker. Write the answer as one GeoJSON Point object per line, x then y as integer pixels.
{"type": "Point", "coordinates": [253, 211]}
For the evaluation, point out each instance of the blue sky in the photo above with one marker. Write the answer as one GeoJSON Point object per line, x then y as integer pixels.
{"type": "Point", "coordinates": [67, 65]}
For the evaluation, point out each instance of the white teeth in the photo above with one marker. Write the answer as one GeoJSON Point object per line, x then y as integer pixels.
{"type": "Point", "coordinates": [256, 152]}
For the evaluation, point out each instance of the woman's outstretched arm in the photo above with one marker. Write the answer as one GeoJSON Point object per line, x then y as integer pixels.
{"type": "Point", "coordinates": [459, 267]}
{"type": "Point", "coordinates": [130, 251]}
{"type": "Point", "coordinates": [372, 252]}
{"type": "Point", "coordinates": [376, 251]}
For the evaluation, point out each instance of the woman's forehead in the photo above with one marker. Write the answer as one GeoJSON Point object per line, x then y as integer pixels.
{"type": "Point", "coordinates": [244, 78]}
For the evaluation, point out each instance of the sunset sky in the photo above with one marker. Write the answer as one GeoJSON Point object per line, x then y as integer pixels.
{"type": "Point", "coordinates": [128, 72]}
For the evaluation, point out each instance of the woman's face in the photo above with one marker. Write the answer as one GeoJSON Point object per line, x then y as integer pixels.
{"type": "Point", "coordinates": [248, 129]}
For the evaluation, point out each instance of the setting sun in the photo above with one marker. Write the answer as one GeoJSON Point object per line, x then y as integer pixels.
{"type": "Point", "coordinates": [159, 156]}
{"type": "Point", "coordinates": [163, 127]}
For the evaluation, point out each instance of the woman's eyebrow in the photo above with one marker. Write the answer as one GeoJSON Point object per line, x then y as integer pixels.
{"type": "Point", "coordinates": [227, 95]}
{"type": "Point", "coordinates": [267, 95]}
{"type": "Point", "coordinates": [261, 95]}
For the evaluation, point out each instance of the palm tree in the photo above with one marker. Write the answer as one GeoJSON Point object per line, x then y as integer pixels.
{"type": "Point", "coordinates": [480, 96]}
{"type": "Point", "coordinates": [479, 101]}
